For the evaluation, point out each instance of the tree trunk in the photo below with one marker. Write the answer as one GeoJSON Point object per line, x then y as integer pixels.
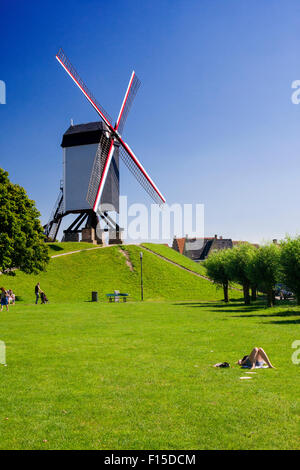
{"type": "Point", "coordinates": [253, 292]}
{"type": "Point", "coordinates": [225, 289]}
{"type": "Point", "coordinates": [270, 298]}
{"type": "Point", "coordinates": [246, 294]}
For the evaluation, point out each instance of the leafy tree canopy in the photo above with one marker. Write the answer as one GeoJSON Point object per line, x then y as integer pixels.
{"type": "Point", "coordinates": [21, 235]}
{"type": "Point", "coordinates": [290, 264]}
{"type": "Point", "coordinates": [264, 269]}
{"type": "Point", "coordinates": [216, 269]}
{"type": "Point", "coordinates": [238, 260]}
{"type": "Point", "coordinates": [215, 265]}
{"type": "Point", "coordinates": [236, 267]}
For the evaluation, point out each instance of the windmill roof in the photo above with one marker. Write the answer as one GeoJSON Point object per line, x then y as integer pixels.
{"type": "Point", "coordinates": [83, 134]}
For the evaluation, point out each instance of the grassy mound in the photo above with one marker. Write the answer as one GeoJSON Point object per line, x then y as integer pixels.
{"type": "Point", "coordinates": [71, 278]}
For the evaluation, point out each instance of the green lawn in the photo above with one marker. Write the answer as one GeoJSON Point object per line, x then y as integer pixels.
{"type": "Point", "coordinates": [140, 376]}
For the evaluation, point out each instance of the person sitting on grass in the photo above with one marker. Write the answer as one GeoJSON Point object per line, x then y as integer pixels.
{"type": "Point", "coordinates": [12, 297]}
{"type": "Point", "coordinates": [256, 360]}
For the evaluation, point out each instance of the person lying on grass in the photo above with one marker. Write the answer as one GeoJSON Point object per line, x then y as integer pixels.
{"type": "Point", "coordinates": [256, 359]}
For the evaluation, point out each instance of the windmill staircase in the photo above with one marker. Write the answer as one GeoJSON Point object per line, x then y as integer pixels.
{"type": "Point", "coordinates": [52, 227]}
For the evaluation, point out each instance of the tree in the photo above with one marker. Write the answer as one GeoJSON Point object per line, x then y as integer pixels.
{"type": "Point", "coordinates": [290, 264]}
{"type": "Point", "coordinates": [22, 243]}
{"type": "Point", "coordinates": [263, 269]}
{"type": "Point", "coordinates": [236, 267]}
{"type": "Point", "coordinates": [216, 270]}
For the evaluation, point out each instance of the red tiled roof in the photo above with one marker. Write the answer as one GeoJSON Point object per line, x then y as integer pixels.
{"type": "Point", "coordinates": [180, 244]}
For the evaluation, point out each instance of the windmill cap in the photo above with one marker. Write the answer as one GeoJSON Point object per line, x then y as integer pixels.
{"type": "Point", "coordinates": [83, 134]}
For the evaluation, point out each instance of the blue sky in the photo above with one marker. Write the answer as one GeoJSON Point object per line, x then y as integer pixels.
{"type": "Point", "coordinates": [213, 122]}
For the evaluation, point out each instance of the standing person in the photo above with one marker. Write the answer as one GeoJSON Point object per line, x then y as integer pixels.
{"type": "Point", "coordinates": [4, 299]}
{"type": "Point", "coordinates": [37, 291]}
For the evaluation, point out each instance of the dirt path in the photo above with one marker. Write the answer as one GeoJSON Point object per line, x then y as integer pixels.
{"type": "Point", "coordinates": [77, 251]}
{"type": "Point", "coordinates": [128, 261]}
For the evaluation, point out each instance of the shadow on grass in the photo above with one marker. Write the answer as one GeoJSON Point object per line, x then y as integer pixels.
{"type": "Point", "coordinates": [55, 247]}
{"type": "Point", "coordinates": [223, 307]}
{"type": "Point", "coordinates": [209, 304]}
{"type": "Point", "coordinates": [287, 313]}
{"type": "Point", "coordinates": [284, 322]}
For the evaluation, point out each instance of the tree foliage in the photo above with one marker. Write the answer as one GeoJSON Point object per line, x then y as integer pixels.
{"type": "Point", "coordinates": [21, 235]}
{"type": "Point", "coordinates": [260, 268]}
{"type": "Point", "coordinates": [263, 269]}
{"type": "Point", "coordinates": [236, 267]}
{"type": "Point", "coordinates": [216, 270]}
{"type": "Point", "coordinates": [290, 264]}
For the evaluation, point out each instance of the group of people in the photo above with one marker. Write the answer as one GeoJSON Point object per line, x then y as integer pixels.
{"type": "Point", "coordinates": [40, 294]}
{"type": "Point", "coordinates": [7, 298]}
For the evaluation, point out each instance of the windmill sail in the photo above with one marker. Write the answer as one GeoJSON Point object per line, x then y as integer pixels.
{"type": "Point", "coordinates": [97, 169]}
{"type": "Point", "coordinates": [70, 69]}
{"type": "Point", "coordinates": [141, 176]}
{"type": "Point", "coordinates": [134, 85]}
{"type": "Point", "coordinates": [100, 170]}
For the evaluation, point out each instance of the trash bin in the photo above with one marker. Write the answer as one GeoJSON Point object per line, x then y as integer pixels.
{"type": "Point", "coordinates": [94, 296]}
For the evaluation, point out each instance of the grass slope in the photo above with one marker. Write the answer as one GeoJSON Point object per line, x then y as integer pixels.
{"type": "Point", "coordinates": [71, 278]}
{"type": "Point", "coordinates": [139, 376]}
{"type": "Point", "coordinates": [178, 258]}
{"type": "Point", "coordinates": [182, 260]}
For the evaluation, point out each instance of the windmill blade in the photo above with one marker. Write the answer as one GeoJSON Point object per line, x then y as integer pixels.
{"type": "Point", "coordinates": [99, 172]}
{"type": "Point", "coordinates": [133, 86]}
{"type": "Point", "coordinates": [66, 64]}
{"type": "Point", "coordinates": [136, 168]}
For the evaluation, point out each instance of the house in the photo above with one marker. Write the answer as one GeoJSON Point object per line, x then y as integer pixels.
{"type": "Point", "coordinates": [198, 249]}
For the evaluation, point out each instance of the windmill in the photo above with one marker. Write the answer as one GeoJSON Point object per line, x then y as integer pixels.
{"type": "Point", "coordinates": [91, 167]}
